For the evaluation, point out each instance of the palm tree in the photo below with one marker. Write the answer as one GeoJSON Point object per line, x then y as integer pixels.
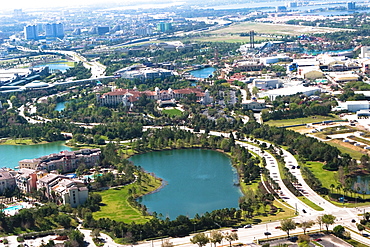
{"type": "Point", "coordinates": [332, 186]}
{"type": "Point", "coordinates": [339, 187]}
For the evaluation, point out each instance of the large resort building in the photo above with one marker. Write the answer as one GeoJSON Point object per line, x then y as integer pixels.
{"type": "Point", "coordinates": [129, 96]}
{"type": "Point", "coordinates": [64, 161]}
{"type": "Point", "coordinates": [33, 174]}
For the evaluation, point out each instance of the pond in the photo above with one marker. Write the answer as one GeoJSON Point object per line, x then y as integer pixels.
{"type": "Point", "coordinates": [55, 66]}
{"type": "Point", "coordinates": [361, 184]}
{"type": "Point", "coordinates": [203, 73]}
{"type": "Point", "coordinates": [60, 106]}
{"type": "Point", "coordinates": [11, 154]}
{"type": "Point", "coordinates": [197, 181]}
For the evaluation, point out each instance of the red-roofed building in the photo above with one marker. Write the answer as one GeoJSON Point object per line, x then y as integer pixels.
{"type": "Point", "coordinates": [129, 96]}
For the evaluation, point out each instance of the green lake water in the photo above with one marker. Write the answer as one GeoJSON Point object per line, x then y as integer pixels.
{"type": "Point", "coordinates": [11, 154]}
{"type": "Point", "coordinates": [197, 181]}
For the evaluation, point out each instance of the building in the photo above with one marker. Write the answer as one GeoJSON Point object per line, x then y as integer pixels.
{"type": "Point", "coordinates": [30, 32]}
{"type": "Point", "coordinates": [248, 65]}
{"type": "Point", "coordinates": [265, 84]}
{"type": "Point", "coordinates": [273, 94]}
{"type": "Point", "coordinates": [25, 179]}
{"type": "Point", "coordinates": [127, 96]}
{"type": "Point", "coordinates": [254, 104]}
{"type": "Point", "coordinates": [54, 30]}
{"type": "Point", "coordinates": [354, 106]}
{"type": "Point", "coordinates": [7, 181]}
{"type": "Point", "coordinates": [365, 52]}
{"type": "Point", "coordinates": [164, 27]}
{"type": "Point", "coordinates": [73, 192]}
{"type": "Point", "coordinates": [64, 161]}
{"type": "Point", "coordinates": [102, 30]}
{"type": "Point", "coordinates": [351, 5]}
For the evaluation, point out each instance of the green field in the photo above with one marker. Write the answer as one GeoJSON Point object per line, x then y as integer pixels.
{"type": "Point", "coordinates": [230, 38]}
{"type": "Point", "coordinates": [326, 177]}
{"type": "Point", "coordinates": [269, 28]}
{"type": "Point", "coordinates": [172, 112]}
{"type": "Point", "coordinates": [349, 149]}
{"type": "Point", "coordinates": [116, 207]}
{"type": "Point", "coordinates": [305, 120]}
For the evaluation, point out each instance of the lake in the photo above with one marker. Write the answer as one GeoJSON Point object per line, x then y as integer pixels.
{"type": "Point", "coordinates": [197, 181]}
{"type": "Point", "coordinates": [11, 154]}
{"type": "Point", "coordinates": [203, 73]}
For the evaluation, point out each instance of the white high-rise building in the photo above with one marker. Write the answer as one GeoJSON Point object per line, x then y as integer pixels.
{"type": "Point", "coordinates": [30, 32]}
{"type": "Point", "coordinates": [54, 30]}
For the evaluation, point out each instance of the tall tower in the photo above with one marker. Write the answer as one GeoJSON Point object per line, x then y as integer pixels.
{"type": "Point", "coordinates": [251, 37]}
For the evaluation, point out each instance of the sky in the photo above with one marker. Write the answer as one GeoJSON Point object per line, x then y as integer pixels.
{"type": "Point", "coordinates": [26, 4]}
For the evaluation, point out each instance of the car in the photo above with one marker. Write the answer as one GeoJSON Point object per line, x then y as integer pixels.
{"type": "Point", "coordinates": [267, 233]}
{"type": "Point", "coordinates": [248, 226]}
{"type": "Point", "coordinates": [353, 221]}
{"type": "Point", "coordinates": [304, 211]}
{"type": "Point", "coordinates": [318, 239]}
{"type": "Point", "coordinates": [277, 227]}
{"type": "Point", "coordinates": [298, 167]}
{"type": "Point", "coordinates": [293, 167]}
{"type": "Point", "coordinates": [234, 230]}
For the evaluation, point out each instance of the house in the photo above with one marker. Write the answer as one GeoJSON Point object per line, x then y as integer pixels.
{"type": "Point", "coordinates": [254, 104]}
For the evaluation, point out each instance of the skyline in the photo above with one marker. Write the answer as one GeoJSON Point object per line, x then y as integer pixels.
{"type": "Point", "coordinates": [43, 4]}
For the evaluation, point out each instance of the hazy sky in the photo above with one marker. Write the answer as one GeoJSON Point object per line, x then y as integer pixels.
{"type": "Point", "coordinates": [25, 4]}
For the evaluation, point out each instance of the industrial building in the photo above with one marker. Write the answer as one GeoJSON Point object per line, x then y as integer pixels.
{"type": "Point", "coordinates": [273, 94]}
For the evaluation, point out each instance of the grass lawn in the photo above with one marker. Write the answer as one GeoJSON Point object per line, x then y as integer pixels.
{"type": "Point", "coordinates": [269, 28]}
{"type": "Point", "coordinates": [19, 142]}
{"type": "Point", "coordinates": [326, 177]}
{"type": "Point", "coordinates": [116, 207]}
{"type": "Point", "coordinates": [309, 203]}
{"type": "Point", "coordinates": [172, 112]}
{"type": "Point", "coordinates": [345, 147]}
{"type": "Point", "coordinates": [306, 120]}
{"type": "Point", "coordinates": [283, 213]}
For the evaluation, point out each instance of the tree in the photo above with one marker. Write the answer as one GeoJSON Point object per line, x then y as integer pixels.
{"type": "Point", "coordinates": [360, 227]}
{"type": "Point", "coordinates": [200, 239]}
{"type": "Point", "coordinates": [95, 233]}
{"type": "Point", "coordinates": [338, 230]}
{"type": "Point", "coordinates": [319, 221]}
{"type": "Point", "coordinates": [231, 237]}
{"type": "Point", "coordinates": [216, 237]}
{"type": "Point", "coordinates": [328, 220]}
{"type": "Point", "coordinates": [306, 224]}
{"type": "Point", "coordinates": [287, 225]}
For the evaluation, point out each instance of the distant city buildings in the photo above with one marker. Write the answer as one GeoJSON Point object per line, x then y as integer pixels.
{"type": "Point", "coordinates": [351, 5]}
{"type": "Point", "coordinates": [164, 27]}
{"type": "Point", "coordinates": [30, 32]}
{"type": "Point", "coordinates": [54, 30]}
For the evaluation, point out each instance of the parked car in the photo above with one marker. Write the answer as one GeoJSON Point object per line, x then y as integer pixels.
{"type": "Point", "coordinates": [267, 233]}
{"type": "Point", "coordinates": [318, 239]}
{"type": "Point", "coordinates": [248, 226]}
